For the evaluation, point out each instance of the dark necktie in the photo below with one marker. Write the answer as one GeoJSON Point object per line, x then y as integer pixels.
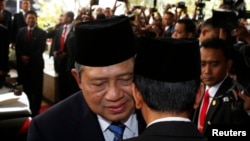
{"type": "Point", "coordinates": [117, 128]}
{"type": "Point", "coordinates": [203, 111]}
{"type": "Point", "coordinates": [29, 35]}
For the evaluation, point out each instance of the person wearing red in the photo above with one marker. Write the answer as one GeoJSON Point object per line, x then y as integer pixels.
{"type": "Point", "coordinates": [30, 45]}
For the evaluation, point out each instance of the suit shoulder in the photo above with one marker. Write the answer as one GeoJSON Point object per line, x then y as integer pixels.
{"type": "Point", "coordinates": [18, 15]}
{"type": "Point", "coordinates": [41, 30]}
{"type": "Point", "coordinates": [69, 107]}
{"type": "Point", "coordinates": [3, 28]}
{"type": "Point", "coordinates": [7, 12]}
{"type": "Point", "coordinates": [22, 28]}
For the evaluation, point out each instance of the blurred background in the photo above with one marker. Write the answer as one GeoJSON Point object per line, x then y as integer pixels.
{"type": "Point", "coordinates": [49, 10]}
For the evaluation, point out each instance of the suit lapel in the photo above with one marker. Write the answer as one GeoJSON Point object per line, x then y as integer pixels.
{"type": "Point", "coordinates": [216, 101]}
{"type": "Point", "coordinates": [69, 35]}
{"type": "Point", "coordinates": [93, 125]}
{"type": "Point", "coordinates": [86, 124]}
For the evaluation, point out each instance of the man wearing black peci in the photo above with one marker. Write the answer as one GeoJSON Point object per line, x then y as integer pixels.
{"type": "Point", "coordinates": [104, 73]}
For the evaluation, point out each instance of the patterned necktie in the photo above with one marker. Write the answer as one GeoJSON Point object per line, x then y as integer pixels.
{"type": "Point", "coordinates": [117, 128]}
{"type": "Point", "coordinates": [203, 111]}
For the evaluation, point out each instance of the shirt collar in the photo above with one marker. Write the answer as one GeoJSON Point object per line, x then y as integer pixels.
{"type": "Point", "coordinates": [130, 123]}
{"type": "Point", "coordinates": [213, 89]}
{"type": "Point", "coordinates": [31, 28]}
{"type": "Point", "coordinates": [69, 26]}
{"type": "Point", "coordinates": [22, 12]}
{"type": "Point", "coordinates": [169, 119]}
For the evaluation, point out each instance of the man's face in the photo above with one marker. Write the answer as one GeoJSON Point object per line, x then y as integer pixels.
{"type": "Point", "coordinates": [208, 32]}
{"type": "Point", "coordinates": [167, 20]}
{"type": "Point", "coordinates": [2, 5]}
{"type": "Point", "coordinates": [108, 90]}
{"type": "Point", "coordinates": [214, 66]}
{"type": "Point", "coordinates": [26, 5]}
{"type": "Point", "coordinates": [99, 10]}
{"type": "Point", "coordinates": [31, 20]}
{"type": "Point", "coordinates": [108, 12]}
{"type": "Point", "coordinates": [179, 31]}
{"type": "Point", "coordinates": [66, 19]}
{"type": "Point", "coordinates": [61, 18]}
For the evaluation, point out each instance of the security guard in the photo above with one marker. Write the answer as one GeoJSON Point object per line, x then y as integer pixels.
{"type": "Point", "coordinates": [220, 106]}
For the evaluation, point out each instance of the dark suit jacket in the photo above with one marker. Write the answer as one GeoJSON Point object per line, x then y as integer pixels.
{"type": "Point", "coordinates": [170, 131]}
{"type": "Point", "coordinates": [53, 30]}
{"type": "Point", "coordinates": [18, 22]}
{"type": "Point", "coordinates": [34, 49]}
{"type": "Point", "coordinates": [4, 49]}
{"type": "Point", "coordinates": [71, 49]}
{"type": "Point", "coordinates": [62, 63]}
{"type": "Point", "coordinates": [7, 19]}
{"type": "Point", "coordinates": [68, 120]}
{"type": "Point", "coordinates": [169, 31]}
{"type": "Point", "coordinates": [221, 112]}
{"type": "Point", "coordinates": [31, 74]}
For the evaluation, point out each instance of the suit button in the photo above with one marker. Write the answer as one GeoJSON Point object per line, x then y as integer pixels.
{"type": "Point", "coordinates": [208, 122]}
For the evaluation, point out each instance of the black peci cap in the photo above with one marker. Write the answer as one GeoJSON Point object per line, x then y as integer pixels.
{"type": "Point", "coordinates": [168, 59]}
{"type": "Point", "coordinates": [104, 42]}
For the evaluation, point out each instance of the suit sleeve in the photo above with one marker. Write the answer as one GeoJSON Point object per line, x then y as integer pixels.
{"type": "Point", "coordinates": [4, 51]}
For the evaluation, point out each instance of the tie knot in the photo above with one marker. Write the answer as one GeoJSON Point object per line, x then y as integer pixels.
{"type": "Point", "coordinates": [117, 128]}
{"type": "Point", "coordinates": [65, 27]}
{"type": "Point", "coordinates": [64, 30]}
{"type": "Point", "coordinates": [207, 93]}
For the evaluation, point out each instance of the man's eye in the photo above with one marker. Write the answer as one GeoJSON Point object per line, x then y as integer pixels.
{"type": "Point", "coordinates": [215, 64]}
{"type": "Point", "coordinates": [126, 81]}
{"type": "Point", "coordinates": [98, 84]}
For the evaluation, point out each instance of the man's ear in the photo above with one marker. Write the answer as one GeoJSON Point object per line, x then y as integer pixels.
{"type": "Point", "coordinates": [74, 72]}
{"type": "Point", "coordinates": [137, 97]}
{"type": "Point", "coordinates": [190, 35]}
{"type": "Point", "coordinates": [199, 95]}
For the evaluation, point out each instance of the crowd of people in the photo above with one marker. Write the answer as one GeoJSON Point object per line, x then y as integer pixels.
{"type": "Point", "coordinates": [174, 77]}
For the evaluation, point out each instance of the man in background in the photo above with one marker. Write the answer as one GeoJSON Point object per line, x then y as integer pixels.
{"type": "Point", "coordinates": [4, 54]}
{"type": "Point", "coordinates": [185, 28]}
{"type": "Point", "coordinates": [5, 16]}
{"type": "Point", "coordinates": [62, 45]}
{"type": "Point", "coordinates": [168, 23]}
{"type": "Point", "coordinates": [220, 105]}
{"type": "Point", "coordinates": [19, 18]}
{"type": "Point", "coordinates": [17, 23]}
{"type": "Point", "coordinates": [30, 45]}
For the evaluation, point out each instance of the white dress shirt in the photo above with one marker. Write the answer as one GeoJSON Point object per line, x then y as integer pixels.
{"type": "Point", "coordinates": [169, 119]}
{"type": "Point", "coordinates": [131, 129]}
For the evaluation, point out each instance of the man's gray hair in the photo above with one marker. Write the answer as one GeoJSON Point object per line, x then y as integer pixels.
{"type": "Point", "coordinates": [79, 68]}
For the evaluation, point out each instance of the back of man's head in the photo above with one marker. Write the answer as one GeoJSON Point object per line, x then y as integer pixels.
{"type": "Point", "coordinates": [167, 73]}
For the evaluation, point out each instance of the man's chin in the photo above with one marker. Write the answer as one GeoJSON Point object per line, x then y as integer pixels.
{"type": "Point", "coordinates": [208, 82]}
